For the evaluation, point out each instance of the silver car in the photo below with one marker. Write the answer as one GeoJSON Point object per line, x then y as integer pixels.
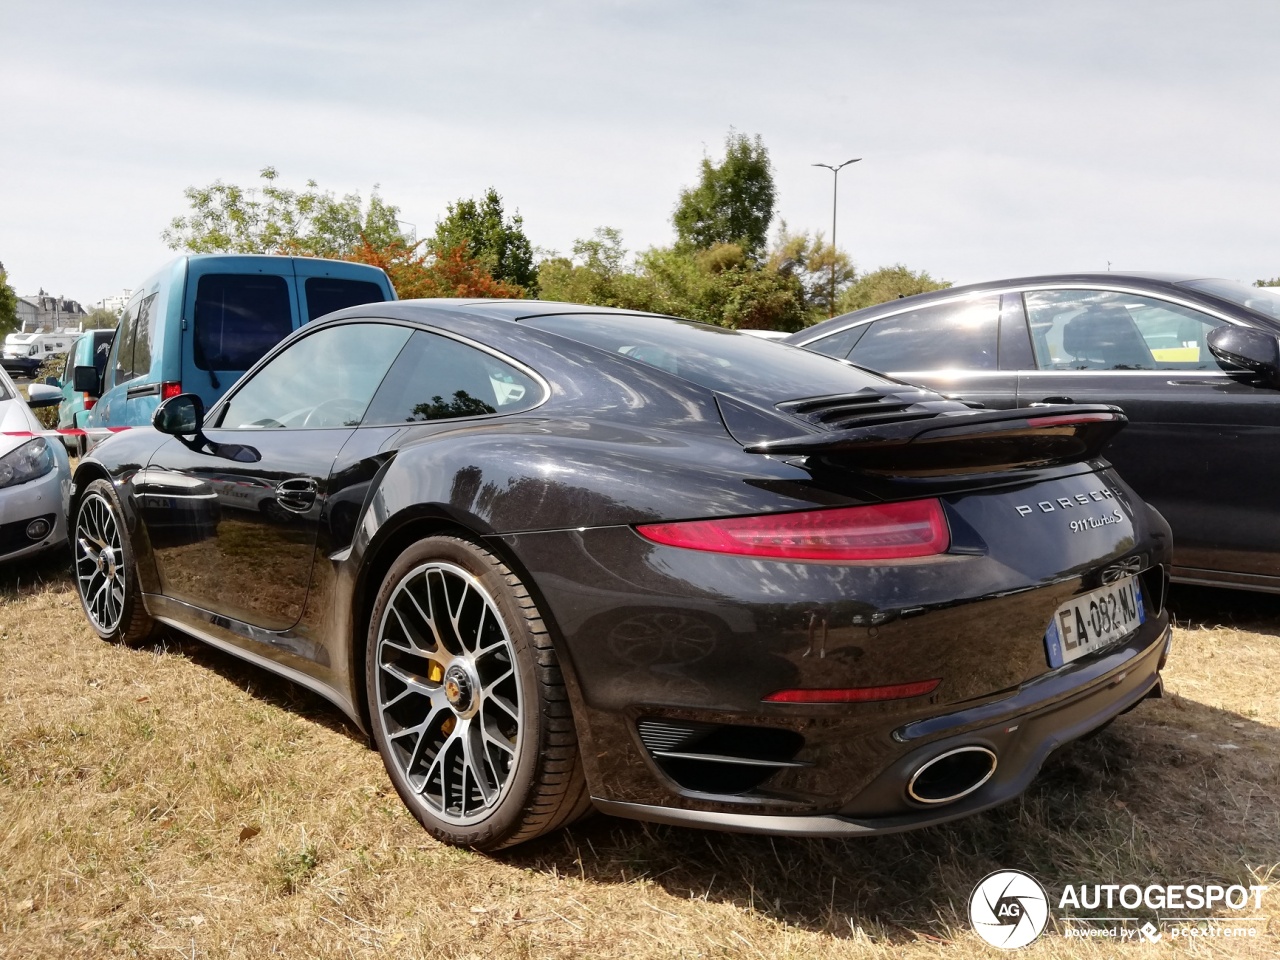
{"type": "Point", "coordinates": [35, 476]}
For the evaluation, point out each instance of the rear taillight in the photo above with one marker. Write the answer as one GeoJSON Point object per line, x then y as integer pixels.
{"type": "Point", "coordinates": [170, 389]}
{"type": "Point", "coordinates": [1070, 419]}
{"type": "Point", "coordinates": [89, 401]}
{"type": "Point", "coordinates": [884, 531]}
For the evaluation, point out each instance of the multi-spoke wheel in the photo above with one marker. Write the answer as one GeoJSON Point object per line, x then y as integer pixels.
{"type": "Point", "coordinates": [106, 577]}
{"type": "Point", "coordinates": [468, 704]}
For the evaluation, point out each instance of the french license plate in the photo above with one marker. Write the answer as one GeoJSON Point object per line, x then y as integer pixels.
{"type": "Point", "coordinates": [1098, 619]}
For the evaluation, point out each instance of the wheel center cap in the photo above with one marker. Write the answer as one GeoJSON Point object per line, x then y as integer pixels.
{"type": "Point", "coordinates": [107, 562]}
{"type": "Point", "coordinates": [458, 688]}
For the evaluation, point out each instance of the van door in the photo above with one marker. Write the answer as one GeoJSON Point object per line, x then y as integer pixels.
{"type": "Point", "coordinates": [111, 408]}
{"type": "Point", "coordinates": [235, 309]}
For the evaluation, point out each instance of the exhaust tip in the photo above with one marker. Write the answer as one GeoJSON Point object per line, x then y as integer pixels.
{"type": "Point", "coordinates": [952, 775]}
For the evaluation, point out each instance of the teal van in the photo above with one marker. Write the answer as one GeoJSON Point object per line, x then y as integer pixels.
{"type": "Point", "coordinates": [203, 320]}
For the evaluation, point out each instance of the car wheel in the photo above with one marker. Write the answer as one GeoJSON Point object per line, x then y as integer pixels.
{"type": "Point", "coordinates": [106, 577]}
{"type": "Point", "coordinates": [468, 704]}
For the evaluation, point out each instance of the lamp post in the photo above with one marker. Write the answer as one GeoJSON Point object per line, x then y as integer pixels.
{"type": "Point", "coordinates": [835, 183]}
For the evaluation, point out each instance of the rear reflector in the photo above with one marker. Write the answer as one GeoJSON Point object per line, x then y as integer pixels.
{"type": "Point", "coordinates": [883, 531]}
{"type": "Point", "coordinates": [89, 401]}
{"type": "Point", "coordinates": [897, 691]}
{"type": "Point", "coordinates": [170, 389]}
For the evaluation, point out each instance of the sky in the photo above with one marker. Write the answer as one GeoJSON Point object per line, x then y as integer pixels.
{"type": "Point", "coordinates": [997, 138]}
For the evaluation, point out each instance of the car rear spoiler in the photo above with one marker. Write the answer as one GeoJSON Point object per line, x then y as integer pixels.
{"type": "Point", "coordinates": [982, 441]}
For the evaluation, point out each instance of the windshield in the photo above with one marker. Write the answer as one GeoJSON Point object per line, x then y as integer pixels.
{"type": "Point", "coordinates": [1264, 300]}
{"type": "Point", "coordinates": [714, 357]}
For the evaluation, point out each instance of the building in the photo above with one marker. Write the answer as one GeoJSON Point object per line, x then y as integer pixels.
{"type": "Point", "coordinates": [46, 313]}
{"type": "Point", "coordinates": [115, 304]}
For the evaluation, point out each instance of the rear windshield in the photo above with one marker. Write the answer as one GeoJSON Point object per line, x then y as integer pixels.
{"type": "Point", "coordinates": [325, 295]}
{"type": "Point", "coordinates": [1264, 300]}
{"type": "Point", "coordinates": [714, 357]}
{"type": "Point", "coordinates": [239, 317]}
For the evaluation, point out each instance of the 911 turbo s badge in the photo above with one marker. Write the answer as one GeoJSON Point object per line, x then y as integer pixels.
{"type": "Point", "coordinates": [1064, 503]}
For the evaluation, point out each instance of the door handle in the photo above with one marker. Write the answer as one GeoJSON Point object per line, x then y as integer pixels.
{"type": "Point", "coordinates": [296, 493]}
{"type": "Point", "coordinates": [1057, 400]}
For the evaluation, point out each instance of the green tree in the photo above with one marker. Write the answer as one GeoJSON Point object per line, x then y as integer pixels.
{"type": "Point", "coordinates": [100, 318]}
{"type": "Point", "coordinates": [498, 242]}
{"type": "Point", "coordinates": [887, 283]}
{"type": "Point", "coordinates": [599, 273]}
{"type": "Point", "coordinates": [733, 201]}
{"type": "Point", "coordinates": [809, 259]}
{"type": "Point", "coordinates": [226, 218]}
{"type": "Point", "coordinates": [8, 305]}
{"type": "Point", "coordinates": [1273, 282]}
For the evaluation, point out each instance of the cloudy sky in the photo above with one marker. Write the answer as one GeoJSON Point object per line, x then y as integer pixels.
{"type": "Point", "coordinates": [998, 138]}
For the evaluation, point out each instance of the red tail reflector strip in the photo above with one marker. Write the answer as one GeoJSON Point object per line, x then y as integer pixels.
{"type": "Point", "coordinates": [897, 691]}
{"type": "Point", "coordinates": [1070, 420]}
{"type": "Point", "coordinates": [89, 401]}
{"type": "Point", "coordinates": [170, 389]}
{"type": "Point", "coordinates": [883, 531]}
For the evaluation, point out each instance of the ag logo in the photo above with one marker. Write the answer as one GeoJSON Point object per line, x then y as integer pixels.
{"type": "Point", "coordinates": [1009, 909]}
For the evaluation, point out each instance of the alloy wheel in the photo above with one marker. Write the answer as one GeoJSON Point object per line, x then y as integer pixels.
{"type": "Point", "coordinates": [99, 561]}
{"type": "Point", "coordinates": [449, 695]}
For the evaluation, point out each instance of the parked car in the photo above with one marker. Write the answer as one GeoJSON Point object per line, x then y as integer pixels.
{"type": "Point", "coordinates": [1202, 422]}
{"type": "Point", "coordinates": [25, 352]}
{"type": "Point", "coordinates": [202, 321]}
{"type": "Point", "coordinates": [90, 349]}
{"type": "Point", "coordinates": [35, 476]}
{"type": "Point", "coordinates": [680, 574]}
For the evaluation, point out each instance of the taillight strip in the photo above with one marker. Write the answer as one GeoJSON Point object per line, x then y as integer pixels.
{"type": "Point", "coordinates": [893, 691]}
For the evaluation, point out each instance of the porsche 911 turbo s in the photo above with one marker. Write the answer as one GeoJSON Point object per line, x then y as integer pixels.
{"type": "Point", "coordinates": [554, 557]}
{"type": "Point", "coordinates": [1193, 362]}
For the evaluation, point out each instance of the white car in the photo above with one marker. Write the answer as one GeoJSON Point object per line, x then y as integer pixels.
{"type": "Point", "coordinates": [35, 475]}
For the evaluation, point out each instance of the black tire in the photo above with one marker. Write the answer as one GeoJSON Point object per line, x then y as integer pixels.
{"type": "Point", "coordinates": [105, 571]}
{"type": "Point", "coordinates": [430, 676]}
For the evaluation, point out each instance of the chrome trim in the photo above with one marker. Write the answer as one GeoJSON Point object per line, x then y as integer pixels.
{"type": "Point", "coordinates": [1107, 288]}
{"type": "Point", "coordinates": [971, 748]}
{"type": "Point", "coordinates": [723, 758]}
{"type": "Point", "coordinates": [779, 824]}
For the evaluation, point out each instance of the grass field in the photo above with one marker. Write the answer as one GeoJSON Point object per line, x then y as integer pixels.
{"type": "Point", "coordinates": [172, 802]}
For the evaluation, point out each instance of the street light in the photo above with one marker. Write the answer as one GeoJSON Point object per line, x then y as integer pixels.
{"type": "Point", "coordinates": [835, 182]}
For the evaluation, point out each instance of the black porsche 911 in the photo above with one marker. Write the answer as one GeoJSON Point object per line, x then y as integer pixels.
{"type": "Point", "coordinates": [555, 557]}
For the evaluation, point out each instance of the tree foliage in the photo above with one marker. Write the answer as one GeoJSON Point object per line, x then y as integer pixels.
{"type": "Point", "coordinates": [723, 285]}
{"type": "Point", "coordinates": [417, 271]}
{"type": "Point", "coordinates": [810, 259]}
{"type": "Point", "coordinates": [226, 218]}
{"type": "Point", "coordinates": [1273, 282]}
{"type": "Point", "coordinates": [488, 236]}
{"type": "Point", "coordinates": [8, 305]}
{"type": "Point", "coordinates": [884, 284]}
{"type": "Point", "coordinates": [100, 318]}
{"type": "Point", "coordinates": [733, 200]}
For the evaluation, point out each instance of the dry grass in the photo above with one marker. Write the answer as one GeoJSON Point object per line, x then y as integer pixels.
{"type": "Point", "coordinates": [172, 802]}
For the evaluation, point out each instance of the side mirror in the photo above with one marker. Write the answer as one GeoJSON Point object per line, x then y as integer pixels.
{"type": "Point", "coordinates": [87, 380]}
{"type": "Point", "coordinates": [180, 416]}
{"type": "Point", "coordinates": [1246, 347]}
{"type": "Point", "coordinates": [53, 382]}
{"type": "Point", "coordinates": [43, 395]}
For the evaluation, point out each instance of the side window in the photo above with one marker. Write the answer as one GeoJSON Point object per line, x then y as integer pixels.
{"type": "Point", "coordinates": [324, 380]}
{"type": "Point", "coordinates": [144, 336]}
{"type": "Point", "coordinates": [839, 344]}
{"type": "Point", "coordinates": [960, 335]}
{"type": "Point", "coordinates": [325, 295]}
{"type": "Point", "coordinates": [121, 363]}
{"type": "Point", "coordinates": [1107, 330]}
{"type": "Point", "coordinates": [238, 318]}
{"type": "Point", "coordinates": [437, 378]}
{"type": "Point", "coordinates": [71, 362]}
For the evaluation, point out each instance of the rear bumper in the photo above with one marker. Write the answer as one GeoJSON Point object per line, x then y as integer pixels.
{"type": "Point", "coordinates": [1022, 731]}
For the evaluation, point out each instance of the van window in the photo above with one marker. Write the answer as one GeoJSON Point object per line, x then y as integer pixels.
{"type": "Point", "coordinates": [325, 295]}
{"type": "Point", "coordinates": [238, 318]}
{"type": "Point", "coordinates": [122, 348]}
{"type": "Point", "coordinates": [144, 335]}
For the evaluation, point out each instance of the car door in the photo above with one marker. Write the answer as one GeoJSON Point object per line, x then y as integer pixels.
{"type": "Point", "coordinates": [233, 521]}
{"type": "Point", "coordinates": [1195, 447]}
{"type": "Point", "coordinates": [953, 347]}
{"type": "Point", "coordinates": [112, 406]}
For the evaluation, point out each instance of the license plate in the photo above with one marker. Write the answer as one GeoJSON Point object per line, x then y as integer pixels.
{"type": "Point", "coordinates": [1098, 619]}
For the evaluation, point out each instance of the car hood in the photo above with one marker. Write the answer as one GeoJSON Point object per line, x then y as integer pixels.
{"type": "Point", "coordinates": [15, 417]}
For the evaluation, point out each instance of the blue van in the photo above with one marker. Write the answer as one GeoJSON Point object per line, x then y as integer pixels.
{"type": "Point", "coordinates": [203, 320]}
{"type": "Point", "coordinates": [90, 349]}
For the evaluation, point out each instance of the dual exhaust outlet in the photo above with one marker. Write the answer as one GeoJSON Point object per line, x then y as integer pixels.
{"type": "Point", "coordinates": [952, 775]}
